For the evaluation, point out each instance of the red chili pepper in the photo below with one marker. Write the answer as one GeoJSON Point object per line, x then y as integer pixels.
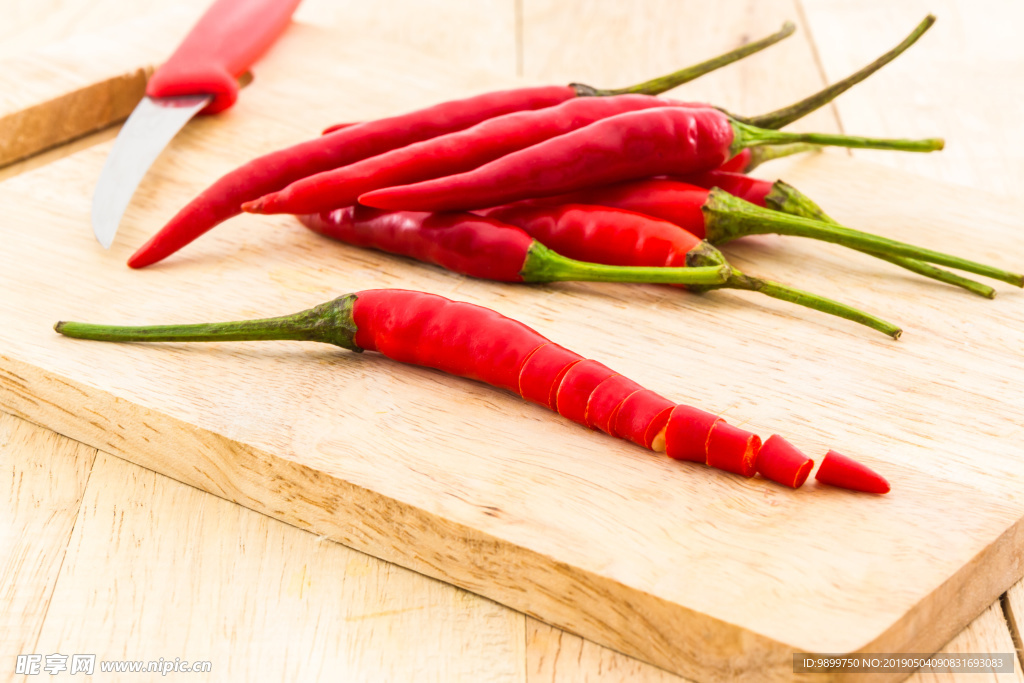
{"type": "Point", "coordinates": [352, 143]}
{"type": "Point", "coordinates": [737, 209]}
{"type": "Point", "coordinates": [636, 144]}
{"type": "Point", "coordinates": [839, 470]}
{"type": "Point", "coordinates": [478, 343]}
{"type": "Point", "coordinates": [446, 155]}
{"type": "Point", "coordinates": [607, 235]}
{"type": "Point", "coordinates": [487, 248]}
{"type": "Point", "coordinates": [780, 461]}
{"type": "Point", "coordinates": [428, 330]}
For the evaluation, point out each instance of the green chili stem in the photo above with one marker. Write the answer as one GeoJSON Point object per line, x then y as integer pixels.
{"type": "Point", "coordinates": [738, 280]}
{"type": "Point", "coordinates": [819, 303]}
{"type": "Point", "coordinates": [930, 271]}
{"type": "Point", "coordinates": [330, 323]}
{"type": "Point", "coordinates": [544, 265]}
{"type": "Point", "coordinates": [788, 199]}
{"type": "Point", "coordinates": [750, 136]}
{"type": "Point", "coordinates": [656, 86]}
{"type": "Point", "coordinates": [787, 115]}
{"type": "Point", "coordinates": [728, 217]}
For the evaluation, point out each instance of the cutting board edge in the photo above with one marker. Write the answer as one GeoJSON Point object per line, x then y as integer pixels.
{"type": "Point", "coordinates": [273, 485]}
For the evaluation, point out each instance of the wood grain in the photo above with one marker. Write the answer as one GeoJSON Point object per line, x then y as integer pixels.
{"type": "Point", "coordinates": [44, 477]}
{"type": "Point", "coordinates": [297, 432]}
{"type": "Point", "coordinates": [159, 569]}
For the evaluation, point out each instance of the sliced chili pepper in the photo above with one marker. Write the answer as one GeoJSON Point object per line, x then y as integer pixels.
{"type": "Point", "coordinates": [609, 235]}
{"type": "Point", "coordinates": [733, 449]}
{"type": "Point", "coordinates": [543, 372]}
{"type": "Point", "coordinates": [576, 387]}
{"type": "Point", "coordinates": [428, 330]}
{"type": "Point", "coordinates": [605, 401]}
{"type": "Point", "coordinates": [486, 248]}
{"type": "Point", "coordinates": [636, 144]}
{"type": "Point", "coordinates": [845, 472]}
{"type": "Point", "coordinates": [687, 433]}
{"type": "Point", "coordinates": [642, 418]}
{"type": "Point", "coordinates": [781, 462]}
{"type": "Point", "coordinates": [352, 143]}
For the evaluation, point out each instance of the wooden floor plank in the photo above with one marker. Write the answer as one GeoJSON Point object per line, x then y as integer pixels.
{"type": "Point", "coordinates": [962, 81]}
{"type": "Point", "coordinates": [43, 477]}
{"type": "Point", "coordinates": [553, 655]}
{"type": "Point", "coordinates": [988, 634]}
{"type": "Point", "coordinates": [159, 569]}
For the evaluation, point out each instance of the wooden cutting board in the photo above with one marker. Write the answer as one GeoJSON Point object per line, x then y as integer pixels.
{"type": "Point", "coordinates": [697, 571]}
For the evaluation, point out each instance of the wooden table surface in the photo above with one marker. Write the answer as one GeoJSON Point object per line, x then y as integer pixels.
{"type": "Point", "coordinates": [100, 545]}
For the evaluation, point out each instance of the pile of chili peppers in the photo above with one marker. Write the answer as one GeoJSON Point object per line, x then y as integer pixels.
{"type": "Point", "coordinates": [546, 184]}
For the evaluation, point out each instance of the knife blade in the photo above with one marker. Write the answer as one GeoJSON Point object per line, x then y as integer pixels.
{"type": "Point", "coordinates": [201, 76]}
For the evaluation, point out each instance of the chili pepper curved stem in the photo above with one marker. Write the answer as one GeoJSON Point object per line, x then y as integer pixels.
{"type": "Point", "coordinates": [751, 136]}
{"type": "Point", "coordinates": [738, 280]}
{"type": "Point", "coordinates": [656, 86]}
{"type": "Point", "coordinates": [930, 271]}
{"type": "Point", "coordinates": [819, 303]}
{"type": "Point", "coordinates": [545, 265]}
{"type": "Point", "coordinates": [759, 155]}
{"type": "Point", "coordinates": [787, 115]}
{"type": "Point", "coordinates": [330, 323]}
{"type": "Point", "coordinates": [786, 198]}
{"type": "Point", "coordinates": [728, 217]}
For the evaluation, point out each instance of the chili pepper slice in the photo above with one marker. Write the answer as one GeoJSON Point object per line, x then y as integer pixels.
{"type": "Point", "coordinates": [636, 144]}
{"type": "Point", "coordinates": [576, 387]}
{"type": "Point", "coordinates": [642, 418]}
{"type": "Point", "coordinates": [605, 401]}
{"type": "Point", "coordinates": [845, 472]}
{"type": "Point", "coordinates": [543, 372]}
{"type": "Point", "coordinates": [733, 449]}
{"type": "Point", "coordinates": [486, 248]}
{"type": "Point", "coordinates": [688, 432]}
{"type": "Point", "coordinates": [609, 235]}
{"type": "Point", "coordinates": [781, 462]}
{"type": "Point", "coordinates": [352, 143]}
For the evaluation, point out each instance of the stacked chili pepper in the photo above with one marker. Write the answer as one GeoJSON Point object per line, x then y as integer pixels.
{"type": "Point", "coordinates": [552, 147]}
{"type": "Point", "coordinates": [547, 184]}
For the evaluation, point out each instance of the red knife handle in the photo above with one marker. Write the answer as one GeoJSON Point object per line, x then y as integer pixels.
{"type": "Point", "coordinates": [220, 48]}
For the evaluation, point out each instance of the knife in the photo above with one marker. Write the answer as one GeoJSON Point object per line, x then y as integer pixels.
{"type": "Point", "coordinates": [201, 75]}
